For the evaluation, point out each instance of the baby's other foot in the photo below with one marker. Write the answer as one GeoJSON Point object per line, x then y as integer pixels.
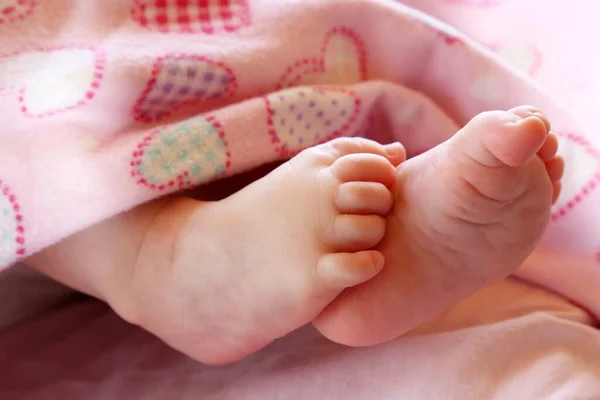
{"type": "Point", "coordinates": [466, 214]}
{"type": "Point", "coordinates": [253, 267]}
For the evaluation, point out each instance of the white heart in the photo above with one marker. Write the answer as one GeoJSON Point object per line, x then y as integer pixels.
{"type": "Point", "coordinates": [52, 80]}
{"type": "Point", "coordinates": [342, 61]}
{"type": "Point", "coordinates": [582, 173]}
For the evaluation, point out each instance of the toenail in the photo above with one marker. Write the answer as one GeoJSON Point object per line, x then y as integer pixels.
{"type": "Point", "coordinates": [538, 114]}
{"type": "Point", "coordinates": [514, 118]}
{"type": "Point", "coordinates": [394, 149]}
{"type": "Point", "coordinates": [543, 118]}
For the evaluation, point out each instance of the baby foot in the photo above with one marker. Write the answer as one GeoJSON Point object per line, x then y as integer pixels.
{"type": "Point", "coordinates": [253, 267]}
{"type": "Point", "coordinates": [466, 214]}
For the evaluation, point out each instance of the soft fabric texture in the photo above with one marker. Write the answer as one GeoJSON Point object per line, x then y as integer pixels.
{"type": "Point", "coordinates": [109, 104]}
{"type": "Point", "coordinates": [510, 341]}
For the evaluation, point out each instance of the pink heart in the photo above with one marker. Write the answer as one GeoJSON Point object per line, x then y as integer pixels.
{"type": "Point", "coordinates": [302, 117]}
{"type": "Point", "coordinates": [343, 60]}
{"type": "Point", "coordinates": [15, 10]}
{"type": "Point", "coordinates": [192, 16]}
{"type": "Point", "coordinates": [12, 233]}
{"type": "Point", "coordinates": [582, 173]}
{"type": "Point", "coordinates": [179, 80]}
{"type": "Point", "coordinates": [188, 153]}
{"type": "Point", "coordinates": [72, 74]}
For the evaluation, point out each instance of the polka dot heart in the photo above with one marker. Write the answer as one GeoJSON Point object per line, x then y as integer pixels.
{"type": "Point", "coordinates": [582, 173]}
{"type": "Point", "coordinates": [343, 60]}
{"type": "Point", "coordinates": [303, 117]}
{"type": "Point", "coordinates": [15, 10]}
{"type": "Point", "coordinates": [185, 154]}
{"type": "Point", "coordinates": [179, 80]}
{"type": "Point", "coordinates": [192, 16]}
{"type": "Point", "coordinates": [12, 240]}
{"type": "Point", "coordinates": [72, 74]}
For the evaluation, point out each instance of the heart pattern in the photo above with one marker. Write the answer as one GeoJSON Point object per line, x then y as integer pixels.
{"type": "Point", "coordinates": [189, 153]}
{"type": "Point", "coordinates": [15, 10]}
{"type": "Point", "coordinates": [192, 16]}
{"type": "Point", "coordinates": [582, 173]}
{"type": "Point", "coordinates": [303, 117]}
{"type": "Point", "coordinates": [343, 60]}
{"type": "Point", "coordinates": [72, 74]}
{"type": "Point", "coordinates": [179, 80]}
{"type": "Point", "coordinates": [523, 57]}
{"type": "Point", "coordinates": [12, 232]}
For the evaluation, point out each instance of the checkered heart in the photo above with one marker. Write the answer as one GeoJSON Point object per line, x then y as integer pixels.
{"type": "Point", "coordinates": [189, 153]}
{"type": "Point", "coordinates": [192, 16]}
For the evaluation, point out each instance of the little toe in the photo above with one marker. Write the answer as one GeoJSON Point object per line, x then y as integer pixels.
{"type": "Point", "coordinates": [364, 198]}
{"type": "Point", "coordinates": [396, 153]}
{"type": "Point", "coordinates": [364, 167]}
{"type": "Point", "coordinates": [356, 232]}
{"type": "Point", "coordinates": [556, 169]}
{"type": "Point", "coordinates": [549, 149]}
{"type": "Point", "coordinates": [344, 270]}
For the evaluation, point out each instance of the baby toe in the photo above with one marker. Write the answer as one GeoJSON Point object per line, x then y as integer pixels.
{"type": "Point", "coordinates": [364, 198]}
{"type": "Point", "coordinates": [344, 270]}
{"type": "Point", "coordinates": [364, 168]}
{"type": "Point", "coordinates": [356, 232]}
{"type": "Point", "coordinates": [549, 149]}
{"type": "Point", "coordinates": [341, 147]}
{"type": "Point", "coordinates": [556, 189]}
{"type": "Point", "coordinates": [556, 169]}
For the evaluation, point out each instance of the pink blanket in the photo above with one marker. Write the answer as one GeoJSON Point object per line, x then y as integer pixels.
{"type": "Point", "coordinates": [106, 105]}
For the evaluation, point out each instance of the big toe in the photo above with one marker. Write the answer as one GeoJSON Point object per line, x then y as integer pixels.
{"type": "Point", "coordinates": [504, 138]}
